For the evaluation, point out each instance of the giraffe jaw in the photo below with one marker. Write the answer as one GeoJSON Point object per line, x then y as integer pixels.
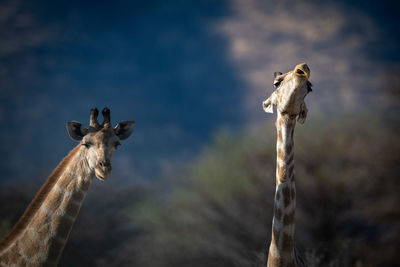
{"type": "Point", "coordinates": [102, 176]}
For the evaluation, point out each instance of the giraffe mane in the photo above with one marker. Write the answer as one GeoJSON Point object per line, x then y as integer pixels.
{"type": "Point", "coordinates": [38, 199]}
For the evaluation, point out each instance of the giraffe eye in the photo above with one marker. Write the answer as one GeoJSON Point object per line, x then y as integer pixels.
{"type": "Point", "coordinates": [86, 144]}
{"type": "Point", "coordinates": [277, 83]}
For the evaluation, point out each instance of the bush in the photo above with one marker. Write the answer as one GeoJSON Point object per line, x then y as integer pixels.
{"type": "Point", "coordinates": [221, 213]}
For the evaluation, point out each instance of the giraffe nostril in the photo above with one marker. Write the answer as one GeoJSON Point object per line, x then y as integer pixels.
{"type": "Point", "coordinates": [105, 164]}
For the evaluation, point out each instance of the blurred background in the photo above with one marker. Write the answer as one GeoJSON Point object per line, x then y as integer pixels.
{"type": "Point", "coordinates": [193, 185]}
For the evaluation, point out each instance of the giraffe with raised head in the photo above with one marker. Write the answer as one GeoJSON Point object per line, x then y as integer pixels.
{"type": "Point", "coordinates": [288, 97]}
{"type": "Point", "coordinates": [40, 235]}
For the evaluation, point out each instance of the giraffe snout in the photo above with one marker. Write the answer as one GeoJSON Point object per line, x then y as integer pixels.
{"type": "Point", "coordinates": [105, 164]}
{"type": "Point", "coordinates": [302, 70]}
{"type": "Point", "coordinates": [103, 169]}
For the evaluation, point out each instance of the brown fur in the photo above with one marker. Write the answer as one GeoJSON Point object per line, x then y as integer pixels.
{"type": "Point", "coordinates": [287, 242]}
{"type": "Point", "coordinates": [38, 200]}
{"type": "Point", "coordinates": [278, 195]}
{"type": "Point", "coordinates": [286, 196]}
{"type": "Point", "coordinates": [291, 171]}
{"type": "Point", "coordinates": [43, 230]}
{"type": "Point", "coordinates": [288, 219]}
{"type": "Point", "coordinates": [288, 102]}
{"type": "Point", "coordinates": [290, 159]}
{"type": "Point", "coordinates": [280, 154]}
{"type": "Point", "coordinates": [279, 140]}
{"type": "Point", "coordinates": [288, 148]}
{"type": "Point", "coordinates": [63, 224]}
{"type": "Point", "coordinates": [281, 173]}
{"type": "Point", "coordinates": [273, 261]}
{"type": "Point", "coordinates": [275, 237]}
{"type": "Point", "coordinates": [278, 214]}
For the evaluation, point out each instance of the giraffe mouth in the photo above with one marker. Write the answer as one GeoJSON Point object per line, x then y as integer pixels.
{"type": "Point", "coordinates": [101, 175]}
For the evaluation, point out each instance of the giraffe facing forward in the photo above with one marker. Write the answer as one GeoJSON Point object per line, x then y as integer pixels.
{"type": "Point", "coordinates": [291, 89]}
{"type": "Point", "coordinates": [40, 235]}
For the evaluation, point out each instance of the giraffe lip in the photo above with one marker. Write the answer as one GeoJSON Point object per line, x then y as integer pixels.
{"type": "Point", "coordinates": [101, 176]}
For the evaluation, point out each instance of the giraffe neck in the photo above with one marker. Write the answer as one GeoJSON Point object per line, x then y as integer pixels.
{"type": "Point", "coordinates": [45, 231]}
{"type": "Point", "coordinates": [281, 251]}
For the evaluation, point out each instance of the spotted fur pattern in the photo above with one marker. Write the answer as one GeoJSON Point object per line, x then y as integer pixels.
{"type": "Point", "coordinates": [39, 237]}
{"type": "Point", "coordinates": [291, 89]}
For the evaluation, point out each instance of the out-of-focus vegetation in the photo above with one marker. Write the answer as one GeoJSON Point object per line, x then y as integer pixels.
{"type": "Point", "coordinates": [100, 230]}
{"type": "Point", "coordinates": [347, 206]}
{"type": "Point", "coordinates": [147, 62]}
{"type": "Point", "coordinates": [218, 210]}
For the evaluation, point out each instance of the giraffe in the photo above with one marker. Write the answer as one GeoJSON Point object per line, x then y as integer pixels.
{"type": "Point", "coordinates": [39, 237]}
{"type": "Point", "coordinates": [291, 89]}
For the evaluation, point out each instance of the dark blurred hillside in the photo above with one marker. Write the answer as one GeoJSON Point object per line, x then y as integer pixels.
{"type": "Point", "coordinates": [101, 229]}
{"type": "Point", "coordinates": [347, 207]}
{"type": "Point", "coordinates": [217, 211]}
{"type": "Point", "coordinates": [183, 70]}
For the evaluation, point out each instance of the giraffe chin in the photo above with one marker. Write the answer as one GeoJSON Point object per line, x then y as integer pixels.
{"type": "Point", "coordinates": [102, 176]}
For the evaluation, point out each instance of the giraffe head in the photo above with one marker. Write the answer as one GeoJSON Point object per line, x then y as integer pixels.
{"type": "Point", "coordinates": [290, 90]}
{"type": "Point", "coordinates": [100, 140]}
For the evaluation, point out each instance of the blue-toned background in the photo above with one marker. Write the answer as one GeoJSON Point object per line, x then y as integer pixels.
{"type": "Point", "coordinates": [181, 69]}
{"type": "Point", "coordinates": [159, 63]}
{"type": "Point", "coordinates": [193, 75]}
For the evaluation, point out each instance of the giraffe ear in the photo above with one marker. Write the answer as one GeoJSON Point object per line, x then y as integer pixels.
{"type": "Point", "coordinates": [124, 129]}
{"type": "Point", "coordinates": [75, 130]}
{"type": "Point", "coordinates": [303, 114]}
{"type": "Point", "coordinates": [268, 105]}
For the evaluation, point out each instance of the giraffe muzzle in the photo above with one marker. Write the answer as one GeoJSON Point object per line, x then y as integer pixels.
{"type": "Point", "coordinates": [302, 70]}
{"type": "Point", "coordinates": [103, 170]}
